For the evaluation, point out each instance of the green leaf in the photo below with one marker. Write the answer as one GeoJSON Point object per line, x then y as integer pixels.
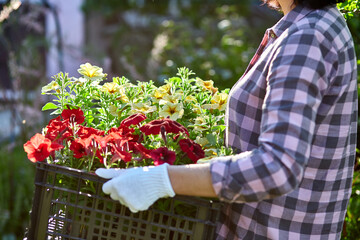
{"type": "Point", "coordinates": [219, 127]}
{"type": "Point", "coordinates": [90, 118]}
{"type": "Point", "coordinates": [72, 106]}
{"type": "Point", "coordinates": [211, 138]}
{"type": "Point", "coordinates": [49, 106]}
{"type": "Point", "coordinates": [57, 111]}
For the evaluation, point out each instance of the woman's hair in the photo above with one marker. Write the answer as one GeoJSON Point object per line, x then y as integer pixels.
{"type": "Point", "coordinates": [314, 4]}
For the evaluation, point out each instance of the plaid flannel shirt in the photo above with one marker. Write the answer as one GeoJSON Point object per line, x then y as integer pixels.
{"type": "Point", "coordinates": [292, 120]}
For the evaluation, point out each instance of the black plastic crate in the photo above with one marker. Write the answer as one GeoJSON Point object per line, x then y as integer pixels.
{"type": "Point", "coordinates": [69, 204]}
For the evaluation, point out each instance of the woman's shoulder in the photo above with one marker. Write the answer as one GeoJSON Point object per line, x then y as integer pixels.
{"type": "Point", "coordinates": [327, 25]}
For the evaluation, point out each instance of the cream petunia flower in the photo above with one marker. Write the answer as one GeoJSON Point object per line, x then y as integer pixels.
{"type": "Point", "coordinates": [190, 98]}
{"type": "Point", "coordinates": [52, 86]}
{"type": "Point", "coordinates": [170, 98]}
{"type": "Point", "coordinates": [91, 72]}
{"type": "Point", "coordinates": [122, 97]}
{"type": "Point", "coordinates": [201, 140]}
{"type": "Point", "coordinates": [217, 102]}
{"type": "Point", "coordinates": [172, 110]}
{"type": "Point", "coordinates": [142, 108]}
{"type": "Point", "coordinates": [200, 124]}
{"type": "Point", "coordinates": [113, 111]}
{"type": "Point", "coordinates": [210, 152]}
{"type": "Point", "coordinates": [158, 95]}
{"type": "Point", "coordinates": [196, 108]}
{"type": "Point", "coordinates": [111, 87]}
{"type": "Point", "coordinates": [80, 80]}
{"type": "Point", "coordinates": [165, 88]}
{"type": "Point", "coordinates": [207, 85]}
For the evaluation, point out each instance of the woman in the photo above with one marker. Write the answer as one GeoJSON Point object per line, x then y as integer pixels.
{"type": "Point", "coordinates": [292, 120]}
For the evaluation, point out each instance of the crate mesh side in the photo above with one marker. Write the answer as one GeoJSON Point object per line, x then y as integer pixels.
{"type": "Point", "coordinates": [79, 210]}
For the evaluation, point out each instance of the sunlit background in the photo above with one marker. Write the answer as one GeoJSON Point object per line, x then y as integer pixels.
{"type": "Point", "coordinates": [140, 39]}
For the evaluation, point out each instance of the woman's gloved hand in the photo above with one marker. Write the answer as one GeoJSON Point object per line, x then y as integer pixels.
{"type": "Point", "coordinates": [137, 188]}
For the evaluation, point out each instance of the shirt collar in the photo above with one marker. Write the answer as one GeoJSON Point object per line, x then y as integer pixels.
{"type": "Point", "coordinates": [286, 21]}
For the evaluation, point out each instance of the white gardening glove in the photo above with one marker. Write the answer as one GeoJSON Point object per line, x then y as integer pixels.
{"type": "Point", "coordinates": [137, 188]}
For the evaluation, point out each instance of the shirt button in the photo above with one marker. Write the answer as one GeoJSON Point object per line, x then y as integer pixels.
{"type": "Point", "coordinates": [272, 35]}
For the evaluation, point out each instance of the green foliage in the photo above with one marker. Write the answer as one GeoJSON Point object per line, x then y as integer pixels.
{"type": "Point", "coordinates": [349, 8]}
{"type": "Point", "coordinates": [351, 230]}
{"type": "Point", "coordinates": [352, 219]}
{"type": "Point", "coordinates": [16, 187]}
{"type": "Point", "coordinates": [216, 39]}
{"type": "Point", "coordinates": [217, 47]}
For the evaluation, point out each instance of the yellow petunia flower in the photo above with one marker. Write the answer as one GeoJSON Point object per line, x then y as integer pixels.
{"type": "Point", "coordinates": [165, 88]}
{"type": "Point", "coordinates": [196, 108]}
{"type": "Point", "coordinates": [111, 88]}
{"type": "Point", "coordinates": [170, 98]}
{"type": "Point", "coordinates": [122, 97]}
{"type": "Point", "coordinates": [158, 95]}
{"type": "Point", "coordinates": [200, 124]}
{"type": "Point", "coordinates": [91, 72]}
{"type": "Point", "coordinates": [214, 90]}
{"type": "Point", "coordinates": [217, 102]}
{"type": "Point", "coordinates": [206, 85]}
{"type": "Point", "coordinates": [172, 110]}
{"type": "Point", "coordinates": [221, 100]}
{"type": "Point", "coordinates": [52, 86]}
{"type": "Point", "coordinates": [142, 108]}
{"type": "Point", "coordinates": [210, 152]}
{"type": "Point", "coordinates": [201, 140]}
{"type": "Point", "coordinates": [190, 98]}
{"type": "Point", "coordinates": [113, 111]}
{"type": "Point", "coordinates": [80, 80]}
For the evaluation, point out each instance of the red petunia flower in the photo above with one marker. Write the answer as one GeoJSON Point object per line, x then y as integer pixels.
{"type": "Point", "coordinates": [192, 149]}
{"type": "Point", "coordinates": [176, 127]}
{"type": "Point", "coordinates": [78, 148]}
{"type": "Point", "coordinates": [38, 148]}
{"type": "Point", "coordinates": [122, 130]}
{"type": "Point", "coordinates": [85, 132]}
{"type": "Point", "coordinates": [74, 115]}
{"type": "Point", "coordinates": [163, 155]}
{"type": "Point", "coordinates": [92, 145]}
{"type": "Point", "coordinates": [117, 145]}
{"type": "Point", "coordinates": [120, 155]}
{"type": "Point", "coordinates": [138, 148]}
{"type": "Point", "coordinates": [116, 139]}
{"type": "Point", "coordinates": [154, 127]}
{"type": "Point", "coordinates": [134, 119]}
{"type": "Point", "coordinates": [58, 130]}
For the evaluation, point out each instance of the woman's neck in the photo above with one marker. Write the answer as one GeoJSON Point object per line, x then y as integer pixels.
{"type": "Point", "coordinates": [286, 5]}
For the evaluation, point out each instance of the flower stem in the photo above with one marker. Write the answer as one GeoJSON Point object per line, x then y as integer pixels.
{"type": "Point", "coordinates": [92, 161]}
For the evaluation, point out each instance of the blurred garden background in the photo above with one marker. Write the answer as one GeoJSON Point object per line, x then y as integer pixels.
{"type": "Point", "coordinates": [140, 39]}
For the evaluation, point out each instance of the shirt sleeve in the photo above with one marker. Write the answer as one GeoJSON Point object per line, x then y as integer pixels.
{"type": "Point", "coordinates": [296, 79]}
